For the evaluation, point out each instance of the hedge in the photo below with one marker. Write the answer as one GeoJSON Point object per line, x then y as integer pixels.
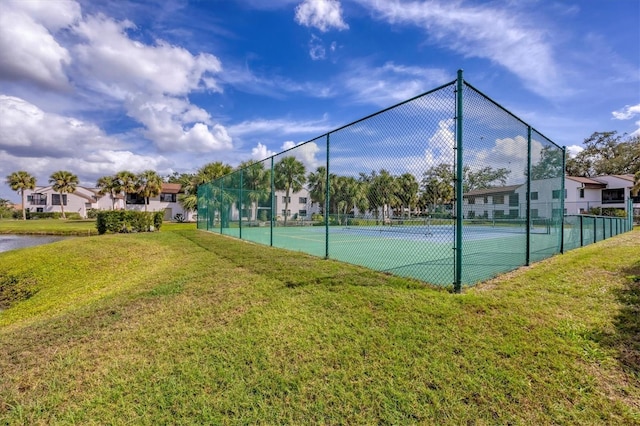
{"type": "Point", "coordinates": [123, 221]}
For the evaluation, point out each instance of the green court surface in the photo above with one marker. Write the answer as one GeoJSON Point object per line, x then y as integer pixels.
{"type": "Point", "coordinates": [427, 256]}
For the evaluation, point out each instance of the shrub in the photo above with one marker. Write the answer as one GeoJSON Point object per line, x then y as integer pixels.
{"type": "Point", "coordinates": [92, 213]}
{"type": "Point", "coordinates": [179, 218]}
{"type": "Point", "coordinates": [123, 221]}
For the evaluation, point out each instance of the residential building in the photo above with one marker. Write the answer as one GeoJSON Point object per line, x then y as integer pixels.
{"type": "Point", "coordinates": [45, 199]}
{"type": "Point", "coordinates": [581, 195]}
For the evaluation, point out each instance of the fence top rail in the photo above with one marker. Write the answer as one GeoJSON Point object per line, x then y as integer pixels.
{"type": "Point", "coordinates": [511, 114]}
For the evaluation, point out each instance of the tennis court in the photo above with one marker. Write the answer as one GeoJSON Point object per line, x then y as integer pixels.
{"type": "Point", "coordinates": [447, 187]}
{"type": "Point", "coordinates": [417, 249]}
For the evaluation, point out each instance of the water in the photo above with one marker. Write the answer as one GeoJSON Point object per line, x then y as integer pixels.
{"type": "Point", "coordinates": [12, 242]}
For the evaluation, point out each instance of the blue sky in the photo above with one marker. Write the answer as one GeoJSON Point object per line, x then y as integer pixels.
{"type": "Point", "coordinates": [98, 87]}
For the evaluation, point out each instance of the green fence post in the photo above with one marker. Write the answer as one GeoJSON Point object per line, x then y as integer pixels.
{"type": "Point", "coordinates": [581, 231]}
{"type": "Point", "coordinates": [528, 197]}
{"type": "Point", "coordinates": [562, 189]}
{"type": "Point", "coordinates": [273, 207]}
{"type": "Point", "coordinates": [457, 284]}
{"type": "Point", "coordinates": [221, 203]}
{"type": "Point", "coordinates": [326, 207]}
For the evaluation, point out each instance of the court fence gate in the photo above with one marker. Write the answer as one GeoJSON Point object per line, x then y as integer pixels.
{"type": "Point", "coordinates": [448, 187]}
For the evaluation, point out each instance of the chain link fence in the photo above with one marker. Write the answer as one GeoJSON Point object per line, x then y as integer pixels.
{"type": "Point", "coordinates": [447, 187]}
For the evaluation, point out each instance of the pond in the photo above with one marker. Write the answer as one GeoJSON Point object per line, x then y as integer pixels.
{"type": "Point", "coordinates": [12, 242]}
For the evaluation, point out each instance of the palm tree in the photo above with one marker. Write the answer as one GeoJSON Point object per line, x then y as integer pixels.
{"type": "Point", "coordinates": [318, 187]}
{"type": "Point", "coordinates": [383, 189]}
{"type": "Point", "coordinates": [255, 184]}
{"type": "Point", "coordinates": [289, 174]}
{"type": "Point", "coordinates": [148, 184]}
{"type": "Point", "coordinates": [126, 184]}
{"type": "Point", "coordinates": [207, 173]}
{"type": "Point", "coordinates": [63, 182]}
{"type": "Point", "coordinates": [407, 191]}
{"type": "Point", "coordinates": [20, 181]}
{"type": "Point", "coordinates": [109, 185]}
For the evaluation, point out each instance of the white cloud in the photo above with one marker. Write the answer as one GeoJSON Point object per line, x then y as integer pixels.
{"type": "Point", "coordinates": [260, 152]}
{"type": "Point", "coordinates": [629, 111]}
{"type": "Point", "coordinates": [317, 51]}
{"type": "Point", "coordinates": [123, 66]}
{"type": "Point", "coordinates": [40, 142]}
{"type": "Point", "coordinates": [280, 127]}
{"type": "Point", "coordinates": [305, 152]}
{"type": "Point", "coordinates": [176, 125]}
{"type": "Point", "coordinates": [574, 150]}
{"type": "Point", "coordinates": [321, 14]}
{"type": "Point", "coordinates": [26, 130]}
{"type": "Point", "coordinates": [390, 83]}
{"type": "Point", "coordinates": [482, 31]}
{"type": "Point", "coordinates": [29, 50]}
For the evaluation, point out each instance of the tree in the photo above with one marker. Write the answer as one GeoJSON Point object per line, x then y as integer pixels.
{"type": "Point", "coordinates": [348, 194]}
{"type": "Point", "coordinates": [437, 186]}
{"type": "Point", "coordinates": [383, 189]}
{"type": "Point", "coordinates": [550, 164]}
{"type": "Point", "coordinates": [256, 183]}
{"type": "Point", "coordinates": [6, 208]}
{"type": "Point", "coordinates": [606, 153]}
{"type": "Point", "coordinates": [318, 187]}
{"type": "Point", "coordinates": [407, 191]}
{"type": "Point", "coordinates": [109, 185]}
{"type": "Point", "coordinates": [289, 174]}
{"type": "Point", "coordinates": [636, 185]}
{"type": "Point", "coordinates": [206, 173]}
{"type": "Point", "coordinates": [126, 184]}
{"type": "Point", "coordinates": [63, 182]}
{"type": "Point", "coordinates": [148, 184]}
{"type": "Point", "coordinates": [486, 177]}
{"type": "Point", "coordinates": [20, 181]}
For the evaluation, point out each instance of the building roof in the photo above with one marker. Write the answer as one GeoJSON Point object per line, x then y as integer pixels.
{"type": "Point", "coordinates": [587, 182]}
{"type": "Point", "coordinates": [171, 188]}
{"type": "Point", "coordinates": [494, 190]}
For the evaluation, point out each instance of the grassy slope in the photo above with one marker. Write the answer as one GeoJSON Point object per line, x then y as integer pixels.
{"type": "Point", "coordinates": [183, 326]}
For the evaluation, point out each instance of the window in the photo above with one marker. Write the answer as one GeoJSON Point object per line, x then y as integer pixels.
{"type": "Point", "coordinates": [302, 213]}
{"type": "Point", "coordinates": [135, 199]}
{"type": "Point", "coordinates": [37, 199]}
{"type": "Point", "coordinates": [167, 198]}
{"type": "Point", "coordinates": [286, 213]}
{"type": "Point", "coordinates": [302, 200]}
{"type": "Point", "coordinates": [498, 214]}
{"type": "Point", "coordinates": [471, 215]}
{"type": "Point", "coordinates": [514, 200]}
{"type": "Point", "coordinates": [40, 210]}
{"type": "Point", "coordinates": [513, 213]}
{"type": "Point", "coordinates": [471, 200]}
{"type": "Point", "coordinates": [581, 195]}
{"type": "Point", "coordinates": [486, 200]}
{"type": "Point", "coordinates": [55, 199]}
{"type": "Point", "coordinates": [534, 196]}
{"type": "Point", "coordinates": [286, 199]}
{"type": "Point", "coordinates": [555, 194]}
{"type": "Point", "coordinates": [613, 196]}
{"type": "Point", "coordinates": [498, 199]}
{"type": "Point", "coordinates": [534, 213]}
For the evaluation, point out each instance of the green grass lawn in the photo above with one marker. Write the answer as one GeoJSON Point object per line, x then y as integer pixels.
{"type": "Point", "coordinates": [183, 326]}
{"type": "Point", "coordinates": [48, 227]}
